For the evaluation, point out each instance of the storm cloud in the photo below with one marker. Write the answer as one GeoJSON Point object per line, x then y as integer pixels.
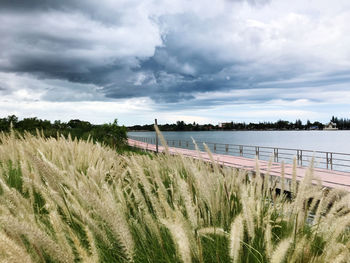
{"type": "Point", "coordinates": [178, 54]}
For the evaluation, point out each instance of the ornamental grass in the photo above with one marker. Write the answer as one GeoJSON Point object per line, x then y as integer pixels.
{"type": "Point", "coordinates": [64, 200]}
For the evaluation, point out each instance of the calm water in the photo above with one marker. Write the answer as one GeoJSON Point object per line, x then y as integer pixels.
{"type": "Point", "coordinates": [333, 141]}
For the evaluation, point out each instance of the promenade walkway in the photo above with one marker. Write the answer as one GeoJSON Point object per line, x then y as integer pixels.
{"type": "Point", "coordinates": [329, 178]}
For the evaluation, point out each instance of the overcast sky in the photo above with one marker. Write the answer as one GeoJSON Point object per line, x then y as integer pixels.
{"type": "Point", "coordinates": [203, 60]}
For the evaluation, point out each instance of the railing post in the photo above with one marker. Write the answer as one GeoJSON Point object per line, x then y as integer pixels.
{"type": "Point", "coordinates": [331, 161]}
{"type": "Point", "coordinates": [226, 147]}
{"type": "Point", "coordinates": [327, 160]}
{"type": "Point", "coordinates": [155, 122]}
{"type": "Point", "coordinates": [241, 150]}
{"type": "Point", "coordinates": [179, 142]}
{"type": "Point", "coordinates": [275, 154]}
{"type": "Point", "coordinates": [214, 147]}
{"type": "Point", "coordinates": [298, 157]}
{"type": "Point", "coordinates": [257, 151]}
{"type": "Point", "coordinates": [186, 144]}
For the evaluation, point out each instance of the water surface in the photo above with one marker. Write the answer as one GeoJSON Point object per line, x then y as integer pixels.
{"type": "Point", "coordinates": [332, 141]}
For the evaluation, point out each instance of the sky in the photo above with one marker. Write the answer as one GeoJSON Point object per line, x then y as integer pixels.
{"type": "Point", "coordinates": [193, 60]}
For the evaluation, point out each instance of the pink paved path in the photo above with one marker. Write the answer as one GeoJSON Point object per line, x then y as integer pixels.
{"type": "Point", "coordinates": [330, 178]}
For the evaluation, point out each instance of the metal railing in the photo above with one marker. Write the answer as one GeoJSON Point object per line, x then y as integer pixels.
{"type": "Point", "coordinates": [322, 159]}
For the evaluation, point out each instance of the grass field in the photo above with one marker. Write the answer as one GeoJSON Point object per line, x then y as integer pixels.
{"type": "Point", "coordinates": [64, 200]}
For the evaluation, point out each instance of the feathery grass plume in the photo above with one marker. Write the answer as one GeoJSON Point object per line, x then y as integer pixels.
{"type": "Point", "coordinates": [333, 252]}
{"type": "Point", "coordinates": [267, 179]}
{"type": "Point", "coordinates": [268, 238]}
{"type": "Point", "coordinates": [162, 140]}
{"type": "Point", "coordinates": [339, 227]}
{"type": "Point", "coordinates": [180, 238]}
{"type": "Point", "coordinates": [342, 205]}
{"type": "Point", "coordinates": [305, 191]}
{"type": "Point", "coordinates": [213, 162]}
{"type": "Point", "coordinates": [148, 189]}
{"type": "Point", "coordinates": [187, 199]}
{"type": "Point", "coordinates": [212, 231]}
{"type": "Point", "coordinates": [299, 251]}
{"type": "Point", "coordinates": [342, 257]}
{"type": "Point", "coordinates": [15, 202]}
{"type": "Point", "coordinates": [316, 199]}
{"type": "Point", "coordinates": [280, 252]}
{"type": "Point", "coordinates": [60, 229]}
{"type": "Point", "coordinates": [294, 178]}
{"type": "Point", "coordinates": [160, 203]}
{"type": "Point", "coordinates": [257, 168]}
{"type": "Point", "coordinates": [83, 254]}
{"type": "Point", "coordinates": [37, 237]}
{"type": "Point", "coordinates": [199, 156]}
{"type": "Point", "coordinates": [248, 214]}
{"type": "Point", "coordinates": [152, 224]}
{"type": "Point", "coordinates": [282, 178]}
{"type": "Point", "coordinates": [327, 199]}
{"type": "Point", "coordinates": [236, 237]}
{"type": "Point", "coordinates": [12, 251]}
{"type": "Point", "coordinates": [113, 213]}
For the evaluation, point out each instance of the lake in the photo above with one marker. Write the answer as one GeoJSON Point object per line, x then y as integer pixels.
{"type": "Point", "coordinates": [332, 141]}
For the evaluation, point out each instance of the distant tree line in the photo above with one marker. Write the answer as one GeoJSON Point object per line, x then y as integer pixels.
{"type": "Point", "coordinates": [341, 123]}
{"type": "Point", "coordinates": [111, 134]}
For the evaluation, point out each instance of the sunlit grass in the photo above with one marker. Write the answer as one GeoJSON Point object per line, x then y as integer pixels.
{"type": "Point", "coordinates": [64, 200]}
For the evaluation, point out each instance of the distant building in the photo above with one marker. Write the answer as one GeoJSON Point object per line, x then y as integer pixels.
{"type": "Point", "coordinates": [224, 124]}
{"type": "Point", "coordinates": [331, 126]}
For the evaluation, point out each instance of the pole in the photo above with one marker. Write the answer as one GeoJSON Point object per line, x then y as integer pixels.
{"type": "Point", "coordinates": [155, 123]}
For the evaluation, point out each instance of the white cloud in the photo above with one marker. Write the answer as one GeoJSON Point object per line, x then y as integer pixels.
{"type": "Point", "coordinates": [127, 111]}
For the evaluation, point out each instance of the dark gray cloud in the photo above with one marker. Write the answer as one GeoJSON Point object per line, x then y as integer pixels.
{"type": "Point", "coordinates": [169, 52]}
{"type": "Point", "coordinates": [33, 4]}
